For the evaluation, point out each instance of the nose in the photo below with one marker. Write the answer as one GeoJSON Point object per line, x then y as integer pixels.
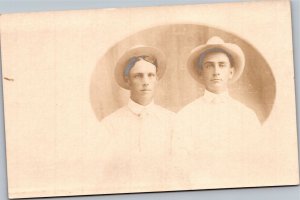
{"type": "Point", "coordinates": [216, 71]}
{"type": "Point", "coordinates": [146, 80]}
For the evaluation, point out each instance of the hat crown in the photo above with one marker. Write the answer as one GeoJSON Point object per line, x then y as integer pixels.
{"type": "Point", "coordinates": [215, 40]}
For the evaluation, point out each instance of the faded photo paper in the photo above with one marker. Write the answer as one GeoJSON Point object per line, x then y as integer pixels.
{"type": "Point", "coordinates": [149, 99]}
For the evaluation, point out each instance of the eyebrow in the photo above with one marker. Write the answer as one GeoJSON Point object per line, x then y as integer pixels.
{"type": "Point", "coordinates": [140, 73]}
{"type": "Point", "coordinates": [214, 62]}
{"type": "Point", "coordinates": [137, 73]}
{"type": "Point", "coordinates": [208, 62]}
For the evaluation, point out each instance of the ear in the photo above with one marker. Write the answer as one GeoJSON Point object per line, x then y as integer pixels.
{"type": "Point", "coordinates": [199, 72]}
{"type": "Point", "coordinates": [127, 80]}
{"type": "Point", "coordinates": [232, 70]}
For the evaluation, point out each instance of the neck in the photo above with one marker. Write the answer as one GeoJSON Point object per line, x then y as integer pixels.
{"type": "Point", "coordinates": [217, 91]}
{"type": "Point", "coordinates": [144, 101]}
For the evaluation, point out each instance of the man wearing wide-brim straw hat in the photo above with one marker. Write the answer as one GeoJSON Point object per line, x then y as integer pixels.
{"type": "Point", "coordinates": [217, 133]}
{"type": "Point", "coordinates": [141, 130]}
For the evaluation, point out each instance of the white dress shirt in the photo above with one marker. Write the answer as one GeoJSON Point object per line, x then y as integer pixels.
{"type": "Point", "coordinates": [214, 139]}
{"type": "Point", "coordinates": [138, 148]}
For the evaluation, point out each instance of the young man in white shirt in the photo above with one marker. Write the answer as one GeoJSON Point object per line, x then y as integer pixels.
{"type": "Point", "coordinates": [216, 134]}
{"type": "Point", "coordinates": [140, 132]}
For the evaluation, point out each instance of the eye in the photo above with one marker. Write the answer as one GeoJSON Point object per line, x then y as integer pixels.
{"type": "Point", "coordinates": [222, 65]}
{"type": "Point", "coordinates": [208, 65]}
{"type": "Point", "coordinates": [138, 76]}
{"type": "Point", "coordinates": [151, 75]}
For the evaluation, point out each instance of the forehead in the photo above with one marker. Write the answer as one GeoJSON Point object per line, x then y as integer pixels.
{"type": "Point", "coordinates": [216, 57]}
{"type": "Point", "coordinates": [143, 66]}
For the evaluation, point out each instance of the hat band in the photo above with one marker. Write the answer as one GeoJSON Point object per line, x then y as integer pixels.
{"type": "Point", "coordinates": [130, 64]}
{"type": "Point", "coordinates": [134, 59]}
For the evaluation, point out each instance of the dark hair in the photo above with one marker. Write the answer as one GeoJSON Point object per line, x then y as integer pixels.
{"type": "Point", "coordinates": [133, 60]}
{"type": "Point", "coordinates": [213, 50]}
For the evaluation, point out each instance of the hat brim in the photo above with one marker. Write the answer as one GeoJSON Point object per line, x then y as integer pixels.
{"type": "Point", "coordinates": [135, 52]}
{"type": "Point", "coordinates": [232, 49]}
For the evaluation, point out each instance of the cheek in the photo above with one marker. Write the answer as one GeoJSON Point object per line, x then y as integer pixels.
{"type": "Point", "coordinates": [133, 83]}
{"type": "Point", "coordinates": [153, 80]}
{"type": "Point", "coordinates": [226, 73]}
{"type": "Point", "coordinates": [206, 74]}
{"type": "Point", "coordinates": [136, 83]}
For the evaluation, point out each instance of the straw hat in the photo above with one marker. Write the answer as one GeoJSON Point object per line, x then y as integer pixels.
{"type": "Point", "coordinates": [135, 52]}
{"type": "Point", "coordinates": [215, 42]}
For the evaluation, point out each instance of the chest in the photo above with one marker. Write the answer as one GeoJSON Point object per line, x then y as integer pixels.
{"type": "Point", "coordinates": [148, 134]}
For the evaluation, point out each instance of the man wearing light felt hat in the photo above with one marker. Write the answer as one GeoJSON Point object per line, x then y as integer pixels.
{"type": "Point", "coordinates": [140, 131]}
{"type": "Point", "coordinates": [217, 134]}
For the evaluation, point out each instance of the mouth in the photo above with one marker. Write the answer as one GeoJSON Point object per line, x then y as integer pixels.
{"type": "Point", "coordinates": [146, 90]}
{"type": "Point", "coordinates": [216, 80]}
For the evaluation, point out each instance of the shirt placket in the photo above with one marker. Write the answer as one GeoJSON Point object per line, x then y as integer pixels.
{"type": "Point", "coordinates": [143, 119]}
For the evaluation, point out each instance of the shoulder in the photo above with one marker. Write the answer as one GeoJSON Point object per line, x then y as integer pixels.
{"type": "Point", "coordinates": [116, 115]}
{"type": "Point", "coordinates": [240, 106]}
{"type": "Point", "coordinates": [164, 112]}
{"type": "Point", "coordinates": [191, 107]}
{"type": "Point", "coordinates": [244, 110]}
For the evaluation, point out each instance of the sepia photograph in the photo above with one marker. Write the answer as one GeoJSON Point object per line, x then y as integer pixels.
{"type": "Point", "coordinates": [150, 99]}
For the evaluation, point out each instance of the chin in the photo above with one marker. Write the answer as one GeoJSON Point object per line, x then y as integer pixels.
{"type": "Point", "coordinates": [146, 93]}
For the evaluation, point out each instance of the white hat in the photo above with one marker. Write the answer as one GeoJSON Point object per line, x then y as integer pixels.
{"type": "Point", "coordinates": [137, 51]}
{"type": "Point", "coordinates": [215, 42]}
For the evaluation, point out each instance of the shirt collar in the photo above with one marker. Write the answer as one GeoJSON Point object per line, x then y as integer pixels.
{"type": "Point", "coordinates": [138, 108]}
{"type": "Point", "coordinates": [210, 96]}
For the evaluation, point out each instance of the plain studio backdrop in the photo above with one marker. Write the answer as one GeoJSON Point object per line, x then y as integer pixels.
{"type": "Point", "coordinates": [256, 87]}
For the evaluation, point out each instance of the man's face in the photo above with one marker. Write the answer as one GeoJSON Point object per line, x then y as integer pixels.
{"type": "Point", "coordinates": [216, 71]}
{"type": "Point", "coordinates": [142, 79]}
